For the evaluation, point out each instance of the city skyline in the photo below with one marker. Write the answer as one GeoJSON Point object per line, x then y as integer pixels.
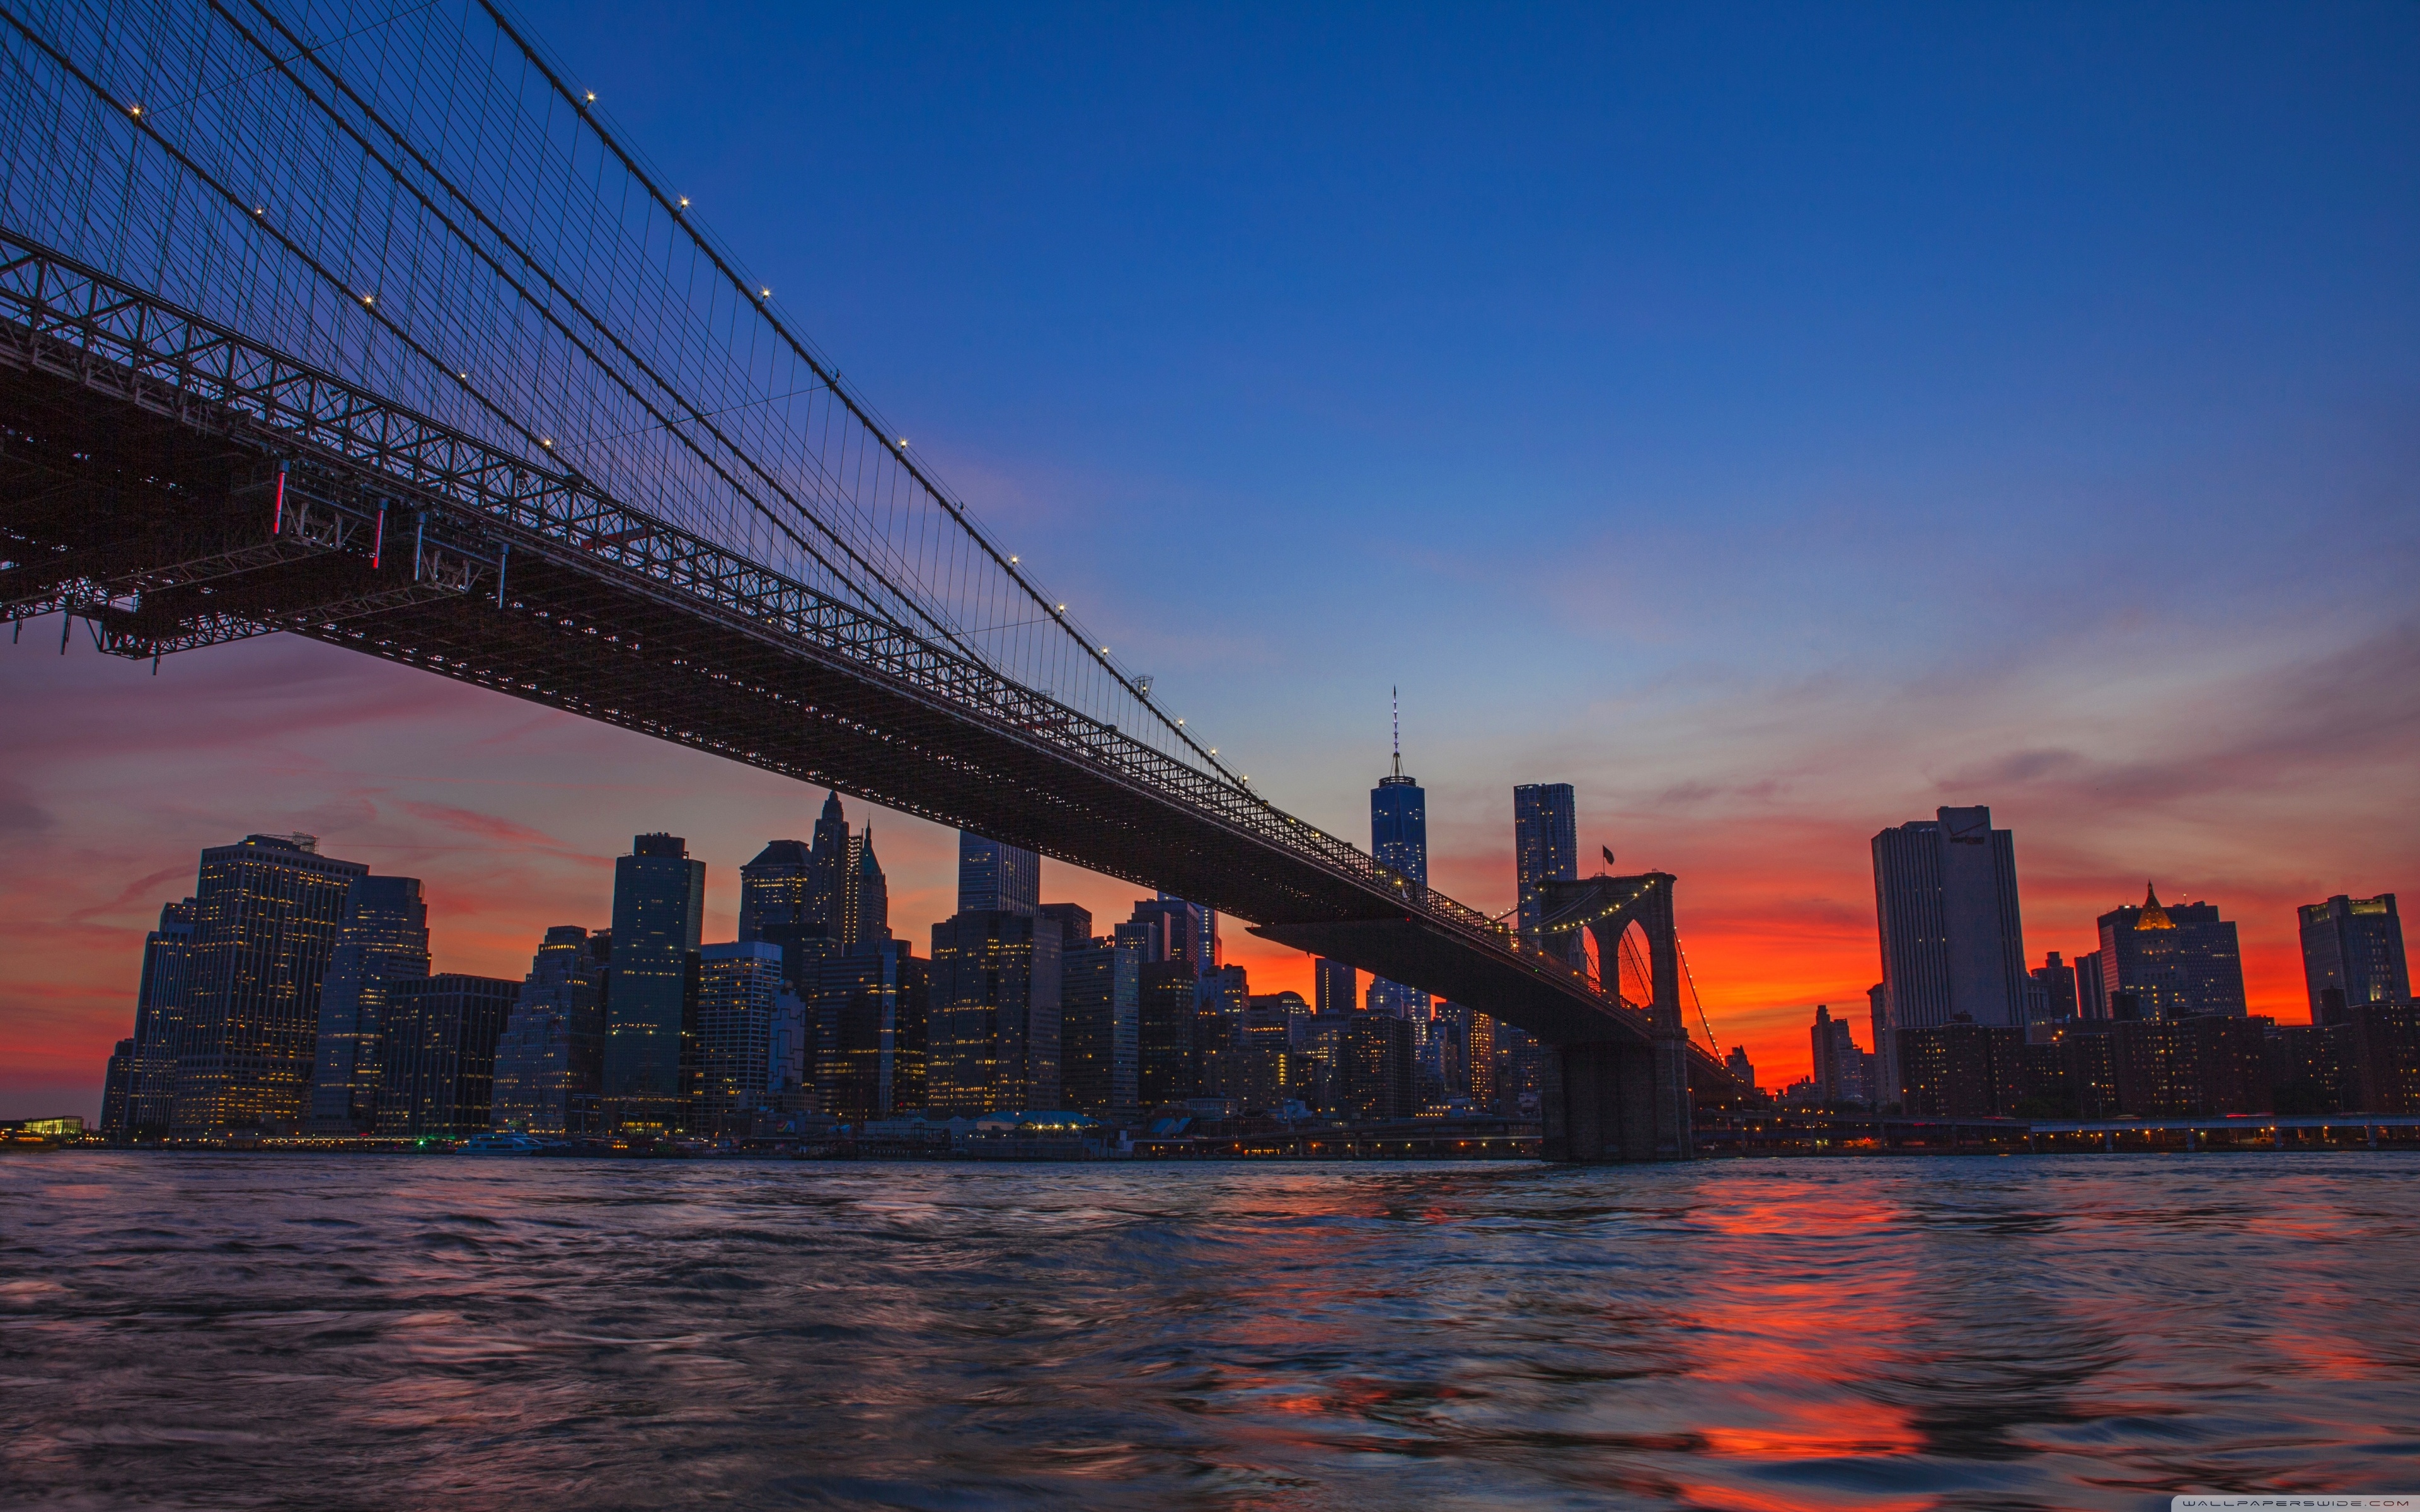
{"type": "Point", "coordinates": [1840, 432]}
{"type": "Point", "coordinates": [1275, 969]}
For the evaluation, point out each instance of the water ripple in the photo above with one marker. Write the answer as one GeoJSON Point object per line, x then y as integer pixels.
{"type": "Point", "coordinates": [2080, 1333]}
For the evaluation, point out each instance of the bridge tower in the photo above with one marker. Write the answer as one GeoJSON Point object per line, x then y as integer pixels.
{"type": "Point", "coordinates": [1615, 1099]}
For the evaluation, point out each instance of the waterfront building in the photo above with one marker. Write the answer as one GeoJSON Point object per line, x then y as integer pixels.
{"type": "Point", "coordinates": [1399, 839]}
{"type": "Point", "coordinates": [995, 878]}
{"type": "Point", "coordinates": [2314, 1067]}
{"type": "Point", "coordinates": [651, 1004]}
{"type": "Point", "coordinates": [995, 1017]}
{"type": "Point", "coordinates": [1276, 1068]}
{"type": "Point", "coordinates": [2352, 952]}
{"type": "Point", "coordinates": [115, 1084]}
{"type": "Point", "coordinates": [159, 1021]}
{"type": "Point", "coordinates": [385, 940]}
{"type": "Point", "coordinates": [269, 912]}
{"type": "Point", "coordinates": [551, 1057]}
{"type": "Point", "coordinates": [2050, 996]}
{"type": "Point", "coordinates": [1886, 1088]}
{"type": "Point", "coordinates": [871, 1031]}
{"type": "Point", "coordinates": [437, 1055]}
{"type": "Point", "coordinates": [1100, 1008]}
{"type": "Point", "coordinates": [2386, 1049]}
{"type": "Point", "coordinates": [2170, 963]}
{"type": "Point", "coordinates": [1520, 1071]}
{"type": "Point", "coordinates": [1167, 1052]}
{"type": "Point", "coordinates": [1220, 1001]}
{"type": "Point", "coordinates": [1962, 1069]}
{"type": "Point", "coordinates": [1952, 936]}
{"type": "Point", "coordinates": [1545, 848]}
{"type": "Point", "coordinates": [2196, 1067]}
{"type": "Point", "coordinates": [1374, 1068]}
{"type": "Point", "coordinates": [739, 988]}
{"type": "Point", "coordinates": [1334, 987]}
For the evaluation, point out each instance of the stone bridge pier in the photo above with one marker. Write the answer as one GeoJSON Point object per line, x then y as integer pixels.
{"type": "Point", "coordinates": [1620, 1100]}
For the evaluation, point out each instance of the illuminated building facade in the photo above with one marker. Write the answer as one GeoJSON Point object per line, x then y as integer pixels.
{"type": "Point", "coordinates": [2170, 963]}
{"type": "Point", "coordinates": [871, 1030]}
{"type": "Point", "coordinates": [1334, 987]}
{"type": "Point", "coordinates": [385, 940]}
{"type": "Point", "coordinates": [268, 915]}
{"type": "Point", "coordinates": [2352, 952]}
{"type": "Point", "coordinates": [1100, 1008]}
{"type": "Point", "coordinates": [1545, 848]}
{"type": "Point", "coordinates": [994, 877]}
{"type": "Point", "coordinates": [551, 1058]}
{"type": "Point", "coordinates": [160, 1021]}
{"type": "Point", "coordinates": [994, 1031]}
{"type": "Point", "coordinates": [1399, 839]}
{"type": "Point", "coordinates": [651, 1004]}
{"type": "Point", "coordinates": [1952, 934]}
{"type": "Point", "coordinates": [740, 986]}
{"type": "Point", "coordinates": [437, 1055]}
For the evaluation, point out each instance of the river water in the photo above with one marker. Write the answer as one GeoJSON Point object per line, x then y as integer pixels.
{"type": "Point", "coordinates": [2064, 1331]}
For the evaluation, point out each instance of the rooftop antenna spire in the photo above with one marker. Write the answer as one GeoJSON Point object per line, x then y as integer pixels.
{"type": "Point", "coordinates": [1395, 703]}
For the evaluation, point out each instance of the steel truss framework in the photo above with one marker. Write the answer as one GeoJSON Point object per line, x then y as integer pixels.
{"type": "Point", "coordinates": [178, 486]}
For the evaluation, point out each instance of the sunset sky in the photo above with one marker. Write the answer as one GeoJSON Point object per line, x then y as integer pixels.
{"type": "Point", "coordinates": [1776, 422]}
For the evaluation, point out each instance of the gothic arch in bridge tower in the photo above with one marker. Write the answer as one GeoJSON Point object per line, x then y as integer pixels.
{"type": "Point", "coordinates": [1619, 1099]}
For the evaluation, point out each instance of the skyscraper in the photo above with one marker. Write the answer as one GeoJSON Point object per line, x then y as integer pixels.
{"type": "Point", "coordinates": [738, 989]}
{"type": "Point", "coordinates": [994, 1028]}
{"type": "Point", "coordinates": [551, 1057]}
{"type": "Point", "coordinates": [864, 895]}
{"type": "Point", "coordinates": [2352, 952]}
{"type": "Point", "coordinates": [385, 940]}
{"type": "Point", "coordinates": [783, 901]}
{"type": "Point", "coordinates": [651, 1004]}
{"type": "Point", "coordinates": [1334, 987]}
{"type": "Point", "coordinates": [1100, 1007]}
{"type": "Point", "coordinates": [994, 876]}
{"type": "Point", "coordinates": [1220, 1005]}
{"type": "Point", "coordinates": [2050, 990]}
{"type": "Point", "coordinates": [1842, 1072]}
{"type": "Point", "coordinates": [268, 914]}
{"type": "Point", "coordinates": [1399, 839]}
{"type": "Point", "coordinates": [1167, 1060]}
{"type": "Point", "coordinates": [1545, 846]}
{"type": "Point", "coordinates": [1189, 933]}
{"type": "Point", "coordinates": [1375, 1070]}
{"type": "Point", "coordinates": [795, 893]}
{"type": "Point", "coordinates": [872, 1029]}
{"type": "Point", "coordinates": [1073, 923]}
{"type": "Point", "coordinates": [2091, 988]}
{"type": "Point", "coordinates": [1952, 936]}
{"type": "Point", "coordinates": [436, 1053]}
{"type": "Point", "coordinates": [2170, 963]}
{"type": "Point", "coordinates": [115, 1082]}
{"type": "Point", "coordinates": [160, 1021]}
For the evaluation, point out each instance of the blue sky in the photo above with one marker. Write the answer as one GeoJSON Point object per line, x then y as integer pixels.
{"type": "Point", "coordinates": [1776, 421]}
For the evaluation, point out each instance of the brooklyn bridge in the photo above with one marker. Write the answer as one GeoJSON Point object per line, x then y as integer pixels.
{"type": "Point", "coordinates": [367, 326]}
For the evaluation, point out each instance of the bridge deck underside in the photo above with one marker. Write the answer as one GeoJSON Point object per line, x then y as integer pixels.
{"type": "Point", "coordinates": [95, 490]}
{"type": "Point", "coordinates": [1405, 949]}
